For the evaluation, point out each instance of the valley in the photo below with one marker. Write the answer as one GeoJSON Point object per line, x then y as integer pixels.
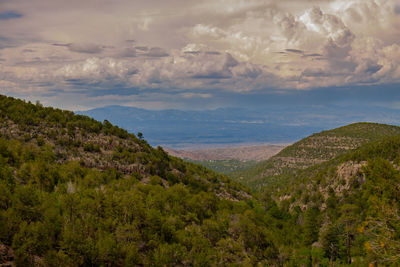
{"type": "Point", "coordinates": [227, 158]}
{"type": "Point", "coordinates": [238, 126]}
{"type": "Point", "coordinates": [213, 133]}
{"type": "Point", "coordinates": [75, 192]}
{"type": "Point", "coordinates": [228, 152]}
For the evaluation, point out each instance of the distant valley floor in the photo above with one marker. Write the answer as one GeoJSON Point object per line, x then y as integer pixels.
{"type": "Point", "coordinates": [227, 159]}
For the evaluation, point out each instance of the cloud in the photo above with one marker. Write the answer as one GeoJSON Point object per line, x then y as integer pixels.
{"type": "Point", "coordinates": [128, 52]}
{"type": "Point", "coordinates": [315, 73]}
{"type": "Point", "coordinates": [142, 48]}
{"type": "Point", "coordinates": [397, 9]}
{"type": "Point", "coordinates": [291, 28]}
{"type": "Point", "coordinates": [296, 51]}
{"type": "Point", "coordinates": [156, 52]}
{"type": "Point", "coordinates": [195, 95]}
{"type": "Point", "coordinates": [244, 46]}
{"type": "Point", "coordinates": [312, 55]}
{"type": "Point", "coordinates": [83, 48]}
{"type": "Point", "coordinates": [247, 70]}
{"type": "Point", "coordinates": [10, 15]}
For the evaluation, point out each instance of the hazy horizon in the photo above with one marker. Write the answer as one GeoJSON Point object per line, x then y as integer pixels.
{"type": "Point", "coordinates": [192, 55]}
{"type": "Point", "coordinates": [277, 71]}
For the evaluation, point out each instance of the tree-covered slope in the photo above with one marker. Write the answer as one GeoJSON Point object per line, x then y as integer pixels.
{"type": "Point", "coordinates": [77, 192]}
{"type": "Point", "coordinates": [320, 147]}
{"type": "Point", "coordinates": [350, 205]}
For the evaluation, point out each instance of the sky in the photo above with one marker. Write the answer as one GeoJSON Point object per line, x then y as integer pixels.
{"type": "Point", "coordinates": [185, 54]}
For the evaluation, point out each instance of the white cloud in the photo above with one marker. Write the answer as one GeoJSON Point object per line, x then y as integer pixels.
{"type": "Point", "coordinates": [190, 45]}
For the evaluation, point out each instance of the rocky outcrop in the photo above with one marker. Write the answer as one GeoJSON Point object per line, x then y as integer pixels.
{"type": "Point", "coordinates": [6, 256]}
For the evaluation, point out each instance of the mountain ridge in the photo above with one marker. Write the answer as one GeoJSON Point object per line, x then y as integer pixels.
{"type": "Point", "coordinates": [355, 195]}
{"type": "Point", "coordinates": [270, 124]}
{"type": "Point", "coordinates": [312, 150]}
{"type": "Point", "coordinates": [78, 192]}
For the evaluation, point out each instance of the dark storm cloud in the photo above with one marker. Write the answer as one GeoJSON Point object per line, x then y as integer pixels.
{"type": "Point", "coordinates": [296, 51]}
{"type": "Point", "coordinates": [156, 52]}
{"type": "Point", "coordinates": [212, 75]}
{"type": "Point", "coordinates": [373, 68]}
{"type": "Point", "coordinates": [128, 52]}
{"type": "Point", "coordinates": [10, 15]}
{"type": "Point", "coordinates": [213, 53]}
{"type": "Point", "coordinates": [312, 55]}
{"type": "Point", "coordinates": [142, 48]}
{"type": "Point", "coordinates": [315, 73]}
{"type": "Point", "coordinates": [397, 9]}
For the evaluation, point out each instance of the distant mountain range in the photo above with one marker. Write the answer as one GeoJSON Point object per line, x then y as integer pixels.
{"type": "Point", "coordinates": [273, 124]}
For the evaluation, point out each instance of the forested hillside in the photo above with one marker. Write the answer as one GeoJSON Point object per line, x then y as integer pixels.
{"type": "Point", "coordinates": [282, 168]}
{"type": "Point", "coordinates": [352, 204]}
{"type": "Point", "coordinates": [77, 192]}
{"type": "Point", "coordinates": [74, 191]}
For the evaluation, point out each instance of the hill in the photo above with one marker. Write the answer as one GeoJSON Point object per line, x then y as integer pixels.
{"type": "Point", "coordinates": [317, 148]}
{"type": "Point", "coordinates": [351, 204]}
{"type": "Point", "coordinates": [78, 192]}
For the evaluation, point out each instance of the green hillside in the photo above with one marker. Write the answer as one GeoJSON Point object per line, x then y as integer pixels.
{"type": "Point", "coordinates": [77, 192]}
{"type": "Point", "coordinates": [225, 166]}
{"type": "Point", "coordinates": [352, 204]}
{"type": "Point", "coordinates": [317, 148]}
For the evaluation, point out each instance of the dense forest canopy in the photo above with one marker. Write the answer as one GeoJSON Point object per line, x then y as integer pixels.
{"type": "Point", "coordinates": [282, 168]}
{"type": "Point", "coordinates": [74, 191]}
{"type": "Point", "coordinates": [78, 192]}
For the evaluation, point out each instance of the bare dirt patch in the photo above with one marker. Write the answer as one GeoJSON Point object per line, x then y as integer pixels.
{"type": "Point", "coordinates": [243, 153]}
